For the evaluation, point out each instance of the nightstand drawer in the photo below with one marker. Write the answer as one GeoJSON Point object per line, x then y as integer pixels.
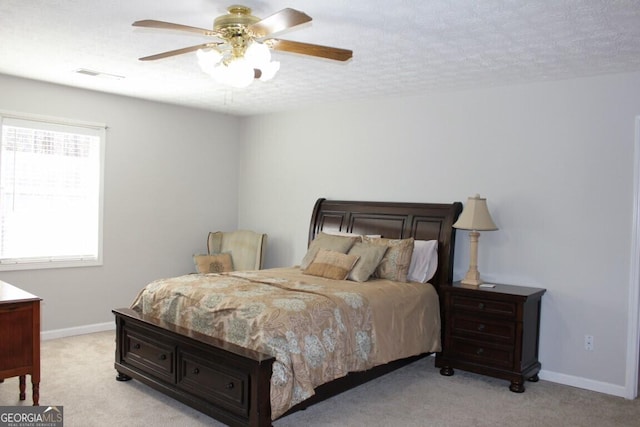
{"type": "Point", "coordinates": [479, 352]}
{"type": "Point", "coordinates": [483, 329]}
{"type": "Point", "coordinates": [504, 309]}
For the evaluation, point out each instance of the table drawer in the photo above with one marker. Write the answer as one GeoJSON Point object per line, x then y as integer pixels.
{"type": "Point", "coordinates": [213, 382]}
{"type": "Point", "coordinates": [16, 336]}
{"type": "Point", "coordinates": [483, 353]}
{"type": "Point", "coordinates": [504, 309]}
{"type": "Point", "coordinates": [149, 353]}
{"type": "Point", "coordinates": [483, 329]}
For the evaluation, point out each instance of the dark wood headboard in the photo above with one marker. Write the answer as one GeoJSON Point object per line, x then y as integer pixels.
{"type": "Point", "coordinates": [422, 221]}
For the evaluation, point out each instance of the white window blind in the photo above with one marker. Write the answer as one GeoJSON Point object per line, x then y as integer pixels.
{"type": "Point", "coordinates": [50, 194]}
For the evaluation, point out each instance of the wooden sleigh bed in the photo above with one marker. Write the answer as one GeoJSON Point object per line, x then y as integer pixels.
{"type": "Point", "coordinates": [231, 383]}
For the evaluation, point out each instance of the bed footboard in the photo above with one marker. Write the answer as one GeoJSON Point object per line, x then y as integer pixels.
{"type": "Point", "coordinates": [225, 381]}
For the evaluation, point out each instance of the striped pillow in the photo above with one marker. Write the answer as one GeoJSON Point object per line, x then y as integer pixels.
{"type": "Point", "coordinates": [331, 265]}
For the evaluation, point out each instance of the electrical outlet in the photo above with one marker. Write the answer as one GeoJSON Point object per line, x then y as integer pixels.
{"type": "Point", "coordinates": [588, 342]}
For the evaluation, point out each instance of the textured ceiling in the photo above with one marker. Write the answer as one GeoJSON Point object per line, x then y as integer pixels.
{"type": "Point", "coordinates": [403, 47]}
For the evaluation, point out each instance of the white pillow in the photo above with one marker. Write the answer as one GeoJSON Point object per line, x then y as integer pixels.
{"type": "Point", "coordinates": [424, 261]}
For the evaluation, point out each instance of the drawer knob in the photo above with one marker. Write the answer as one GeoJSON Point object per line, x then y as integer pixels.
{"type": "Point", "coordinates": [196, 371]}
{"type": "Point", "coordinates": [229, 386]}
{"type": "Point", "coordinates": [481, 306]}
{"type": "Point", "coordinates": [480, 351]}
{"type": "Point", "coordinates": [481, 327]}
{"type": "Point", "coordinates": [136, 346]}
{"type": "Point", "coordinates": [163, 357]}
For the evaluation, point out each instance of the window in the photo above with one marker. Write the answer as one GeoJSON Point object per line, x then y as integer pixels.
{"type": "Point", "coordinates": [50, 193]}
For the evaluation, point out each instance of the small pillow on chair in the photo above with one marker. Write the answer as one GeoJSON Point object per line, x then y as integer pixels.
{"type": "Point", "coordinates": [218, 263]}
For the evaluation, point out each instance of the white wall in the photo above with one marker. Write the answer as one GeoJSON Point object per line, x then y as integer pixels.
{"type": "Point", "coordinates": [555, 161]}
{"type": "Point", "coordinates": [170, 177]}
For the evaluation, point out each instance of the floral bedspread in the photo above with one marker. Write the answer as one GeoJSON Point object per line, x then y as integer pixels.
{"type": "Point", "coordinates": [317, 329]}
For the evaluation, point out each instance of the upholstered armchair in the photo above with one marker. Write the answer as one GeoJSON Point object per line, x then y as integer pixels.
{"type": "Point", "coordinates": [246, 247]}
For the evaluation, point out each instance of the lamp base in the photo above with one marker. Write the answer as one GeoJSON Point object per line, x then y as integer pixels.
{"type": "Point", "coordinates": [472, 279]}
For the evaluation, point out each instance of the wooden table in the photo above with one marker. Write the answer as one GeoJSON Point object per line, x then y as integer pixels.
{"type": "Point", "coordinates": [20, 337]}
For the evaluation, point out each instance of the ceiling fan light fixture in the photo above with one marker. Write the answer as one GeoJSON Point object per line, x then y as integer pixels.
{"type": "Point", "coordinates": [208, 59]}
{"type": "Point", "coordinates": [258, 55]}
{"type": "Point", "coordinates": [237, 73]}
{"type": "Point", "coordinates": [269, 70]}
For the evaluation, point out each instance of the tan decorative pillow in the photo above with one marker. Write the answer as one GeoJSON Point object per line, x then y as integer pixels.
{"type": "Point", "coordinates": [217, 263]}
{"type": "Point", "coordinates": [395, 263]}
{"type": "Point", "coordinates": [331, 264]}
{"type": "Point", "coordinates": [370, 256]}
{"type": "Point", "coordinates": [340, 244]}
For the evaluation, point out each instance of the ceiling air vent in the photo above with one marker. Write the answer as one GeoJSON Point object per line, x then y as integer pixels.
{"type": "Point", "coordinates": [93, 73]}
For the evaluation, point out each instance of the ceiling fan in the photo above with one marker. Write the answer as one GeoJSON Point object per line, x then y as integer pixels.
{"type": "Point", "coordinates": [242, 52]}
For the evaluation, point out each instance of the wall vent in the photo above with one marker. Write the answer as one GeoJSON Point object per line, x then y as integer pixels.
{"type": "Point", "coordinates": [93, 73]}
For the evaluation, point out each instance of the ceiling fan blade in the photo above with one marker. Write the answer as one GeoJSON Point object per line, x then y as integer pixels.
{"type": "Point", "coordinates": [279, 21]}
{"type": "Point", "coordinates": [150, 23]}
{"type": "Point", "coordinates": [311, 49]}
{"type": "Point", "coordinates": [179, 51]}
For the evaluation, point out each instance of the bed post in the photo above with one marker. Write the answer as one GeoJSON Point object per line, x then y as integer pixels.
{"type": "Point", "coordinates": [314, 219]}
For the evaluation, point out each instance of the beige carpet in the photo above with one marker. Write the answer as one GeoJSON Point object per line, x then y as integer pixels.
{"type": "Point", "coordinates": [78, 374]}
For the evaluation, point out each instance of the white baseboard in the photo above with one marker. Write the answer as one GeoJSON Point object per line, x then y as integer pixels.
{"type": "Point", "coordinates": [77, 330]}
{"type": "Point", "coordinates": [584, 383]}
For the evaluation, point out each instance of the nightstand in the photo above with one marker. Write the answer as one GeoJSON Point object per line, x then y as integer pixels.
{"type": "Point", "coordinates": [491, 331]}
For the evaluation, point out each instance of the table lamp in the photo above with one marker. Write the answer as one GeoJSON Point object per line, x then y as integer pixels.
{"type": "Point", "coordinates": [474, 217]}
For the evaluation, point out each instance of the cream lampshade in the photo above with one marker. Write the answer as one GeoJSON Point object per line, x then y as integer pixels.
{"type": "Point", "coordinates": [474, 217]}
